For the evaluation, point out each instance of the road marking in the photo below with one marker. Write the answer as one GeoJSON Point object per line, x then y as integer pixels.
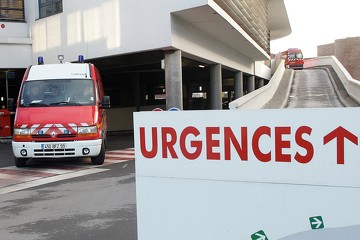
{"type": "Point", "coordinates": [57, 170]}
{"type": "Point", "coordinates": [42, 181]}
{"type": "Point", "coordinates": [124, 154]}
{"type": "Point", "coordinates": [15, 179]}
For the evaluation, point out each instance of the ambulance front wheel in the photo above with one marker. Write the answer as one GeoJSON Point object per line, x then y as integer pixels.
{"type": "Point", "coordinates": [99, 159]}
{"type": "Point", "coordinates": [20, 162]}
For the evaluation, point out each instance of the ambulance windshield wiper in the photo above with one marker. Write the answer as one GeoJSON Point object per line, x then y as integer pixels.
{"type": "Point", "coordinates": [66, 103]}
{"type": "Point", "coordinates": [36, 104]}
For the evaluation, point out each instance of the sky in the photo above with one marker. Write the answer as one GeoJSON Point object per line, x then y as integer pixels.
{"type": "Point", "coordinates": [318, 22]}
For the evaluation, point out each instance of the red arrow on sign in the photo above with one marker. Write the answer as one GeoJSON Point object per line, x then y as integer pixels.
{"type": "Point", "coordinates": [340, 133]}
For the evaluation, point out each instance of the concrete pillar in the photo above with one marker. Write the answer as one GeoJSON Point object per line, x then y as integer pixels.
{"type": "Point", "coordinates": [173, 79]}
{"type": "Point", "coordinates": [261, 82]}
{"type": "Point", "coordinates": [215, 87]}
{"type": "Point", "coordinates": [238, 85]}
{"type": "Point", "coordinates": [250, 84]}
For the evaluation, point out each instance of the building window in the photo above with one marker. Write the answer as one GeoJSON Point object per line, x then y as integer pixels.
{"type": "Point", "coordinates": [12, 10]}
{"type": "Point", "coordinates": [49, 7]}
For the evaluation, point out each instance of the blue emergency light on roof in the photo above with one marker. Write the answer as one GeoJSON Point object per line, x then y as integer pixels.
{"type": "Point", "coordinates": [81, 59]}
{"type": "Point", "coordinates": [40, 60]}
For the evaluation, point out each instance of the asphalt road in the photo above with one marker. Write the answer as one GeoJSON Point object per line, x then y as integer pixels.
{"type": "Point", "coordinates": [96, 206]}
{"type": "Point", "coordinates": [6, 155]}
{"type": "Point", "coordinates": [101, 205]}
{"type": "Point", "coordinates": [313, 89]}
{"type": "Point", "coordinates": [310, 88]}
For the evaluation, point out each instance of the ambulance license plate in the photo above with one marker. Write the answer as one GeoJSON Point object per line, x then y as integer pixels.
{"type": "Point", "coordinates": [53, 146]}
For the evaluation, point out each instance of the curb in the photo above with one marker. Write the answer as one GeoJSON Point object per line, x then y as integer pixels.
{"type": "Point", "coordinates": [5, 139]}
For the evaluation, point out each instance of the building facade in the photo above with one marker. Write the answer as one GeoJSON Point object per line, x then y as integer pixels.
{"type": "Point", "coordinates": [347, 51]}
{"type": "Point", "coordinates": [189, 54]}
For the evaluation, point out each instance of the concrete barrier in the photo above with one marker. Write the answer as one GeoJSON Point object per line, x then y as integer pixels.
{"type": "Point", "coordinates": [351, 85]}
{"type": "Point", "coordinates": [258, 98]}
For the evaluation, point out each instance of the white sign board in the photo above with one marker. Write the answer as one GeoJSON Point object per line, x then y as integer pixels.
{"type": "Point", "coordinates": [258, 174]}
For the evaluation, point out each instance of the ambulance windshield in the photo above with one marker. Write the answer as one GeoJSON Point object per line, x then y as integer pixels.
{"type": "Point", "coordinates": [294, 55]}
{"type": "Point", "coordinates": [62, 92]}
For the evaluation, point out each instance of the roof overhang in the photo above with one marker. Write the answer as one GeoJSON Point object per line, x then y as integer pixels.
{"type": "Point", "coordinates": [279, 24]}
{"type": "Point", "coordinates": [213, 21]}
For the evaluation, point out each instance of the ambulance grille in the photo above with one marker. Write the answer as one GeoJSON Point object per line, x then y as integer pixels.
{"type": "Point", "coordinates": [39, 136]}
{"type": "Point", "coordinates": [66, 135]}
{"type": "Point", "coordinates": [54, 152]}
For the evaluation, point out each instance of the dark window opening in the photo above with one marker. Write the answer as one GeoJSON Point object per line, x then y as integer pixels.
{"type": "Point", "coordinates": [50, 7]}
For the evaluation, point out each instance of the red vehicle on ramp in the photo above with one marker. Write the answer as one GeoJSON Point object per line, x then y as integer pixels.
{"type": "Point", "coordinates": [293, 58]}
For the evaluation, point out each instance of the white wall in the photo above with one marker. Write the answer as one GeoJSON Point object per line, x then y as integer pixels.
{"type": "Point", "coordinates": [90, 28]}
{"type": "Point", "coordinates": [192, 41]}
{"type": "Point", "coordinates": [14, 30]}
{"type": "Point", "coordinates": [101, 28]}
{"type": "Point", "coordinates": [261, 70]}
{"type": "Point", "coordinates": [15, 55]}
{"type": "Point", "coordinates": [15, 45]}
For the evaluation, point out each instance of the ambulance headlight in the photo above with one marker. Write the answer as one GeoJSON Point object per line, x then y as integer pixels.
{"type": "Point", "coordinates": [22, 131]}
{"type": "Point", "coordinates": [22, 134]}
{"type": "Point", "coordinates": [89, 130]}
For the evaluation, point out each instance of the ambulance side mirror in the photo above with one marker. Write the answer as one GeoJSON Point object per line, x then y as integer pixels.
{"type": "Point", "coordinates": [11, 104]}
{"type": "Point", "coordinates": [105, 103]}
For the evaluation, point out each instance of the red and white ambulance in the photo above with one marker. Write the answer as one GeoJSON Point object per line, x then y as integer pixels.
{"type": "Point", "coordinates": [293, 58]}
{"type": "Point", "coordinates": [60, 113]}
